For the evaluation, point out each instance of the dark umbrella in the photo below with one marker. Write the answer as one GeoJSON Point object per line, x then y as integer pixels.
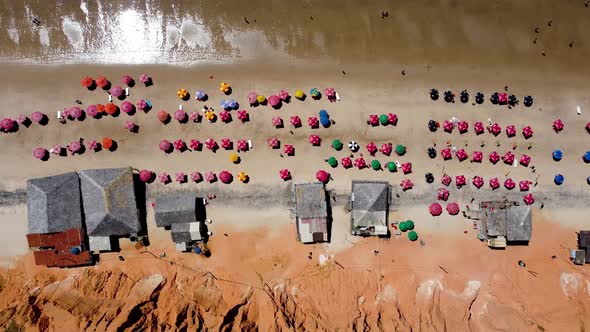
{"type": "Point", "coordinates": [528, 101]}
{"type": "Point", "coordinates": [434, 94]}
{"type": "Point", "coordinates": [479, 98]}
{"type": "Point", "coordinates": [558, 179]}
{"type": "Point", "coordinates": [449, 97]}
{"type": "Point", "coordinates": [433, 125]}
{"type": "Point", "coordinates": [512, 100]}
{"type": "Point", "coordinates": [429, 177]}
{"type": "Point", "coordinates": [432, 153]}
{"type": "Point", "coordinates": [464, 96]}
{"type": "Point", "coordinates": [495, 99]}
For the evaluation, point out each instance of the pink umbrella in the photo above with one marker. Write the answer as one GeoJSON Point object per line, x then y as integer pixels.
{"type": "Point", "coordinates": [194, 144]}
{"type": "Point", "coordinates": [392, 118]}
{"type": "Point", "coordinates": [242, 145]}
{"type": "Point", "coordinates": [453, 209]}
{"type": "Point", "coordinates": [165, 145]}
{"type": "Point", "coordinates": [180, 115]}
{"type": "Point", "coordinates": [446, 180]}
{"type": "Point", "coordinates": [38, 116]}
{"type": "Point", "coordinates": [284, 95]}
{"type": "Point", "coordinates": [525, 160]}
{"type": "Point", "coordinates": [502, 98]}
{"type": "Point", "coordinates": [314, 140]}
{"type": "Point", "coordinates": [141, 105]}
{"type": "Point", "coordinates": [407, 168]}
{"type": "Point", "coordinates": [196, 177]}
{"type": "Point", "coordinates": [558, 125]}
{"type": "Point", "coordinates": [164, 178]}
{"type": "Point", "coordinates": [346, 162]}
{"type": "Point", "coordinates": [145, 175]}
{"type": "Point", "coordinates": [128, 80]}
{"type": "Point", "coordinates": [462, 126]}
{"type": "Point", "coordinates": [330, 93]}
{"type": "Point", "coordinates": [446, 153]}
{"type": "Point", "coordinates": [443, 194]}
{"type": "Point", "coordinates": [477, 156]}
{"type": "Point", "coordinates": [226, 143]}
{"type": "Point", "coordinates": [386, 149]}
{"type": "Point", "coordinates": [274, 101]}
{"type": "Point", "coordinates": [75, 146]}
{"type": "Point", "coordinates": [527, 132]}
{"type": "Point", "coordinates": [460, 181]}
{"type": "Point", "coordinates": [144, 78]}
{"type": "Point", "coordinates": [373, 120]}
{"type": "Point", "coordinates": [510, 130]}
{"type": "Point", "coordinates": [495, 129]}
{"type": "Point", "coordinates": [277, 122]}
{"type": "Point", "coordinates": [524, 185]}
{"type": "Point", "coordinates": [289, 150]}
{"type": "Point", "coordinates": [40, 153]}
{"type": "Point", "coordinates": [274, 142]}
{"type": "Point", "coordinates": [372, 148]}
{"type": "Point", "coordinates": [57, 148]}
{"type": "Point", "coordinates": [360, 163]}
{"type": "Point", "coordinates": [225, 116]}
{"type": "Point", "coordinates": [461, 154]}
{"type": "Point", "coordinates": [21, 119]}
{"type": "Point", "coordinates": [116, 91]}
{"type": "Point", "coordinates": [76, 112]}
{"type": "Point", "coordinates": [285, 174]}
{"type": "Point", "coordinates": [252, 98]}
{"type": "Point", "coordinates": [528, 199]}
{"type": "Point", "coordinates": [179, 145]}
{"type": "Point", "coordinates": [508, 158]}
{"type": "Point", "coordinates": [92, 111]}
{"type": "Point", "coordinates": [494, 183]}
{"type": "Point", "coordinates": [494, 157]}
{"type": "Point", "coordinates": [509, 184]}
{"type": "Point", "coordinates": [226, 177]}
{"type": "Point", "coordinates": [92, 145]}
{"type": "Point", "coordinates": [313, 122]}
{"type": "Point", "coordinates": [407, 184]}
{"type": "Point", "coordinates": [194, 117]}
{"type": "Point", "coordinates": [243, 115]}
{"type": "Point", "coordinates": [211, 144]}
{"type": "Point", "coordinates": [477, 181]}
{"type": "Point", "coordinates": [210, 177]}
{"type": "Point", "coordinates": [296, 121]}
{"type": "Point", "coordinates": [180, 177]}
{"type": "Point", "coordinates": [130, 126]}
{"type": "Point", "coordinates": [322, 176]}
{"type": "Point", "coordinates": [448, 126]}
{"type": "Point", "coordinates": [479, 128]}
{"type": "Point", "coordinates": [435, 209]}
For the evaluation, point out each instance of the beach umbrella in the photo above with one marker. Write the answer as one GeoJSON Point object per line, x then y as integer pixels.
{"type": "Point", "coordinates": [432, 152]}
{"type": "Point", "coordinates": [407, 184]}
{"type": "Point", "coordinates": [261, 99]}
{"type": "Point", "coordinates": [107, 143]}
{"type": "Point", "coordinates": [479, 98]}
{"type": "Point", "coordinates": [392, 119]}
{"type": "Point", "coordinates": [376, 165]}
{"type": "Point", "coordinates": [165, 145]}
{"type": "Point", "coordinates": [243, 177]}
{"type": "Point", "coordinates": [315, 93]}
{"type": "Point", "coordinates": [464, 96]}
{"type": "Point", "coordinates": [386, 149]}
{"type": "Point", "coordinates": [110, 109]}
{"type": "Point", "coordinates": [409, 225]}
{"type": "Point", "coordinates": [101, 109]}
{"type": "Point", "coordinates": [353, 146]}
{"type": "Point", "coordinates": [127, 80]}
{"type": "Point", "coordinates": [180, 177]}
{"type": "Point", "coordinates": [586, 157]}
{"type": "Point", "coordinates": [127, 107]}
{"type": "Point", "coordinates": [38, 117]}
{"type": "Point", "coordinates": [40, 153]}
{"type": "Point", "coordinates": [273, 142]}
{"type": "Point", "coordinates": [182, 93]}
{"type": "Point", "coordinates": [56, 149]}
{"type": "Point", "coordinates": [446, 180]}
{"type": "Point", "coordinates": [225, 116]}
{"type": "Point", "coordinates": [478, 128]}
{"type": "Point", "coordinates": [322, 176]}
{"type": "Point", "coordinates": [210, 177]}
{"type": "Point", "coordinates": [528, 101]}
{"type": "Point", "coordinates": [407, 168]}
{"type": "Point", "coordinates": [211, 144]}
{"type": "Point", "coordinates": [494, 183]}
{"type": "Point", "coordinates": [557, 155]}
{"type": "Point", "coordinates": [226, 143]}
{"type": "Point", "coordinates": [332, 162]}
{"type": "Point", "coordinates": [180, 116]}
{"type": "Point", "coordinates": [383, 119]}
{"type": "Point", "coordinates": [164, 178]}
{"type": "Point", "coordinates": [463, 126]}
{"type": "Point", "coordinates": [558, 179]}
{"type": "Point", "coordinates": [284, 95]}
{"type": "Point", "coordinates": [102, 82]}
{"type": "Point", "coordinates": [145, 175]}
{"type": "Point", "coordinates": [461, 154]}
{"type": "Point", "coordinates": [313, 122]}
{"type": "Point", "coordinates": [274, 101]}
{"type": "Point", "coordinates": [200, 95]}
{"type": "Point", "coordinates": [391, 166]}
{"type": "Point", "coordinates": [224, 104]}
{"type": "Point", "coordinates": [92, 145]}
{"type": "Point", "coordinates": [429, 177]}
{"type": "Point", "coordinates": [130, 126]}
{"type": "Point", "coordinates": [508, 158]}
{"type": "Point", "coordinates": [224, 87]}
{"type": "Point", "coordinates": [330, 93]}
{"type": "Point", "coordinates": [494, 157]}
{"type": "Point", "coordinates": [477, 181]}
{"type": "Point", "coordinates": [196, 177]}
{"type": "Point", "coordinates": [21, 119]}
{"type": "Point", "coordinates": [495, 129]}
{"type": "Point", "coordinates": [453, 209]}
{"type": "Point", "coordinates": [402, 226]}
{"type": "Point", "coordinates": [87, 82]}
{"type": "Point", "coordinates": [435, 209]}
{"type": "Point", "coordinates": [449, 96]}
{"type": "Point", "coordinates": [373, 120]}
{"type": "Point", "coordinates": [448, 126]}
{"type": "Point", "coordinates": [337, 144]}
{"type": "Point", "coordinates": [76, 112]}
{"type": "Point", "coordinates": [289, 150]}
{"type": "Point", "coordinates": [510, 130]}
{"type": "Point", "coordinates": [528, 199]}
{"type": "Point", "coordinates": [400, 150]}
{"type": "Point", "coordinates": [225, 177]}
{"type": "Point", "coordinates": [512, 100]}
{"type": "Point", "coordinates": [443, 194]}
{"type": "Point", "coordinates": [145, 79]}
{"type": "Point", "coordinates": [502, 98]}
{"type": "Point", "coordinates": [285, 174]}
{"type": "Point", "coordinates": [477, 156]}
{"type": "Point", "coordinates": [233, 104]}
{"type": "Point", "coordinates": [295, 121]}
{"type": "Point", "coordinates": [525, 160]}
{"type": "Point", "coordinates": [299, 94]}
{"type": "Point", "coordinates": [243, 115]}
{"type": "Point", "coordinates": [434, 94]}
{"type": "Point", "coordinates": [277, 121]}
{"type": "Point", "coordinates": [242, 145]}
{"type": "Point", "coordinates": [346, 162]}
{"type": "Point", "coordinates": [325, 119]}
{"type": "Point", "coordinates": [116, 91]}
{"type": "Point", "coordinates": [446, 153]}
{"type": "Point", "coordinates": [527, 132]}
{"type": "Point", "coordinates": [74, 146]}
{"type": "Point", "coordinates": [509, 184]}
{"type": "Point", "coordinates": [360, 163]}
{"type": "Point", "coordinates": [558, 125]}
{"type": "Point", "coordinates": [194, 144]}
{"type": "Point", "coordinates": [460, 181]}
{"type": "Point", "coordinates": [372, 148]}
{"type": "Point", "coordinates": [194, 117]}
{"type": "Point", "coordinates": [252, 98]}
{"type": "Point", "coordinates": [92, 111]}
{"type": "Point", "coordinates": [433, 125]}
{"type": "Point", "coordinates": [524, 185]}
{"type": "Point", "coordinates": [314, 140]}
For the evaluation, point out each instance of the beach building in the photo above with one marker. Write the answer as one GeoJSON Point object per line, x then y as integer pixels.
{"type": "Point", "coordinates": [55, 224]}
{"type": "Point", "coordinates": [505, 222]}
{"type": "Point", "coordinates": [582, 255]}
{"type": "Point", "coordinates": [311, 211]}
{"type": "Point", "coordinates": [110, 206]}
{"type": "Point", "coordinates": [184, 214]}
{"type": "Point", "coordinates": [370, 207]}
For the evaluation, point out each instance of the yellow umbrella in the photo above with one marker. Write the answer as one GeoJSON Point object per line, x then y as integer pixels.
{"type": "Point", "coordinates": [224, 87]}
{"type": "Point", "coordinates": [181, 93]}
{"type": "Point", "coordinates": [242, 176]}
{"type": "Point", "coordinates": [210, 115]}
{"type": "Point", "coordinates": [261, 99]}
{"type": "Point", "coordinates": [299, 94]}
{"type": "Point", "coordinates": [234, 158]}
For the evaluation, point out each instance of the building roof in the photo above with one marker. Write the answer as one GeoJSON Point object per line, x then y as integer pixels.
{"type": "Point", "coordinates": [507, 219]}
{"type": "Point", "coordinates": [310, 200]}
{"type": "Point", "coordinates": [310, 230]}
{"type": "Point", "coordinates": [369, 203]}
{"type": "Point", "coordinates": [110, 207]}
{"type": "Point", "coordinates": [187, 232]}
{"type": "Point", "coordinates": [53, 203]}
{"type": "Point", "coordinates": [183, 207]}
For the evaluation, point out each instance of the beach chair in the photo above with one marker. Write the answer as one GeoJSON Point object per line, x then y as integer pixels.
{"type": "Point", "coordinates": [180, 107]}
{"type": "Point", "coordinates": [337, 96]}
{"type": "Point", "coordinates": [250, 146]}
{"type": "Point", "coordinates": [149, 103]}
{"type": "Point", "coordinates": [578, 110]}
{"type": "Point", "coordinates": [110, 98]}
{"type": "Point", "coordinates": [208, 221]}
{"type": "Point", "coordinates": [59, 116]}
{"type": "Point", "coordinates": [126, 91]}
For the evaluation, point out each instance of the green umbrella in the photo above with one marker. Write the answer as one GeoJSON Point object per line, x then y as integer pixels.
{"type": "Point", "coordinates": [402, 226]}
{"type": "Point", "coordinates": [391, 166]}
{"type": "Point", "coordinates": [336, 144]}
{"type": "Point", "coordinates": [413, 236]}
{"type": "Point", "coordinates": [400, 149]}
{"type": "Point", "coordinates": [376, 164]}
{"type": "Point", "coordinates": [332, 162]}
{"type": "Point", "coordinates": [383, 119]}
{"type": "Point", "coordinates": [409, 225]}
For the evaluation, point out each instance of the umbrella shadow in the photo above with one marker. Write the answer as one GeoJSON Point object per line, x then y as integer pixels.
{"type": "Point", "coordinates": [122, 96]}
{"type": "Point", "coordinates": [92, 86]}
{"type": "Point", "coordinates": [114, 146]}
{"type": "Point", "coordinates": [228, 92]}
{"type": "Point", "coordinates": [45, 157]}
{"type": "Point", "coordinates": [230, 146]}
{"type": "Point", "coordinates": [187, 97]}
{"type": "Point", "coordinates": [107, 86]}
{"type": "Point", "coordinates": [228, 120]}
{"type": "Point", "coordinates": [27, 123]}
{"type": "Point", "coordinates": [184, 179]}
{"type": "Point", "coordinates": [317, 97]}
{"type": "Point", "coordinates": [183, 120]}
{"type": "Point", "coordinates": [131, 83]}
{"type": "Point", "coordinates": [140, 201]}
{"type": "Point", "coordinates": [149, 82]}
{"type": "Point", "coordinates": [278, 106]}
{"type": "Point", "coordinates": [132, 111]}
{"type": "Point", "coordinates": [117, 112]}
{"type": "Point", "coordinates": [205, 98]}
{"type": "Point", "coordinates": [287, 100]}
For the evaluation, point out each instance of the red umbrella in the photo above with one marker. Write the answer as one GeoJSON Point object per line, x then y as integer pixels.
{"type": "Point", "coordinates": [110, 108]}
{"type": "Point", "coordinates": [346, 162]}
{"type": "Point", "coordinates": [130, 125]}
{"type": "Point", "coordinates": [210, 177]}
{"type": "Point", "coordinates": [211, 144]}
{"type": "Point", "coordinates": [196, 177]}
{"type": "Point", "coordinates": [226, 143]}
{"type": "Point", "coordinates": [495, 129]}
{"type": "Point", "coordinates": [296, 121]}
{"type": "Point", "coordinates": [372, 148]}
{"type": "Point", "coordinates": [225, 116]}
{"type": "Point", "coordinates": [435, 209]}
{"type": "Point", "coordinates": [462, 126]}
{"type": "Point", "coordinates": [145, 175]}
{"type": "Point", "coordinates": [313, 122]}
{"type": "Point", "coordinates": [509, 184]}
{"type": "Point", "coordinates": [116, 91]}
{"type": "Point", "coordinates": [128, 80]}
{"type": "Point", "coordinates": [243, 115]}
{"type": "Point", "coordinates": [443, 194]}
{"type": "Point", "coordinates": [373, 120]}
{"type": "Point", "coordinates": [127, 107]}
{"type": "Point", "coordinates": [285, 174]}
{"type": "Point", "coordinates": [502, 98]}
{"type": "Point", "coordinates": [386, 149]}
{"type": "Point", "coordinates": [163, 116]}
{"type": "Point", "coordinates": [322, 176]}
{"type": "Point", "coordinates": [274, 142]}
{"type": "Point", "coordinates": [242, 145]}
{"type": "Point", "coordinates": [102, 82]}
{"type": "Point", "coordinates": [508, 158]}
{"type": "Point", "coordinates": [180, 115]}
{"type": "Point", "coordinates": [330, 93]}
{"type": "Point", "coordinates": [274, 101]}
{"type": "Point", "coordinates": [510, 130]}
{"type": "Point", "coordinates": [289, 150]}
{"type": "Point", "coordinates": [446, 180]}
{"type": "Point", "coordinates": [448, 126]}
{"type": "Point", "coordinates": [75, 146]}
{"type": "Point", "coordinates": [360, 163]}
{"type": "Point", "coordinates": [37, 117]}
{"type": "Point", "coordinates": [479, 128]}
{"type": "Point", "coordinates": [277, 121]}
{"type": "Point", "coordinates": [446, 153]}
{"type": "Point", "coordinates": [145, 78]}
{"type": "Point", "coordinates": [180, 177]}
{"type": "Point", "coordinates": [194, 144]}
{"type": "Point", "coordinates": [528, 199]}
{"type": "Point", "coordinates": [194, 117]}
{"type": "Point", "coordinates": [494, 157]}
{"type": "Point", "coordinates": [461, 154]}
{"type": "Point", "coordinates": [407, 168]}
{"type": "Point", "coordinates": [527, 132]}
{"type": "Point", "coordinates": [179, 145]}
{"type": "Point", "coordinates": [460, 181]}
{"type": "Point", "coordinates": [494, 183]}
{"type": "Point", "coordinates": [76, 112]}
{"type": "Point", "coordinates": [164, 178]}
{"type": "Point", "coordinates": [524, 185]}
{"type": "Point", "coordinates": [407, 184]}
{"type": "Point", "coordinates": [558, 125]}
{"type": "Point", "coordinates": [284, 95]}
{"type": "Point", "coordinates": [40, 153]}
{"type": "Point", "coordinates": [392, 118]}
{"type": "Point", "coordinates": [477, 181]}
{"type": "Point", "coordinates": [87, 82]}
{"type": "Point", "coordinates": [477, 156]}
{"type": "Point", "coordinates": [453, 209]}
{"type": "Point", "coordinates": [525, 160]}
{"type": "Point", "coordinates": [314, 140]}
{"type": "Point", "coordinates": [225, 177]}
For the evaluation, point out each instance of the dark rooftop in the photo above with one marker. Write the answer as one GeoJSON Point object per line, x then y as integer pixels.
{"type": "Point", "coordinates": [183, 207]}
{"type": "Point", "coordinates": [310, 200]}
{"type": "Point", "coordinates": [369, 203]}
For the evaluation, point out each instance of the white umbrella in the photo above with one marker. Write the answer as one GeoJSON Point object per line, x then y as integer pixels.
{"type": "Point", "coordinates": [353, 146]}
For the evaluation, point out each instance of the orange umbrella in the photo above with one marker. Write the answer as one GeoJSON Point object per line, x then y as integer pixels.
{"type": "Point", "coordinates": [102, 82]}
{"type": "Point", "coordinates": [163, 116]}
{"type": "Point", "coordinates": [87, 82]}
{"type": "Point", "coordinates": [110, 108]}
{"type": "Point", "coordinates": [100, 108]}
{"type": "Point", "coordinates": [107, 143]}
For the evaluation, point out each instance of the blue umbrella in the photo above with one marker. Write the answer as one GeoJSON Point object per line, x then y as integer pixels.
{"type": "Point", "coordinates": [558, 179]}
{"type": "Point", "coordinates": [233, 104]}
{"type": "Point", "coordinates": [587, 157]}
{"type": "Point", "coordinates": [198, 251]}
{"type": "Point", "coordinates": [323, 113]}
{"type": "Point", "coordinates": [75, 250]}
{"type": "Point", "coordinates": [325, 119]}
{"type": "Point", "coordinates": [557, 155]}
{"type": "Point", "coordinates": [200, 94]}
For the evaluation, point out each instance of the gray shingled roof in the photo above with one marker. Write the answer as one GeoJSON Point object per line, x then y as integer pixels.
{"type": "Point", "coordinates": [370, 203]}
{"type": "Point", "coordinates": [181, 233]}
{"type": "Point", "coordinates": [310, 199]}
{"type": "Point", "coordinates": [110, 207]}
{"type": "Point", "coordinates": [506, 219]}
{"type": "Point", "coordinates": [53, 203]}
{"type": "Point", "coordinates": [183, 207]}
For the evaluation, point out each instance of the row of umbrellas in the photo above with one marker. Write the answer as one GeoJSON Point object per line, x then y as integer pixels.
{"type": "Point", "coordinates": [183, 117]}
{"type": "Point", "coordinates": [478, 182]}
{"type": "Point", "coordinates": [497, 98]}
{"type": "Point", "coordinates": [103, 83]}
{"type": "Point", "coordinates": [479, 128]}
{"type": "Point", "coordinates": [383, 119]}
{"type": "Point", "coordinates": [165, 178]}
{"type": "Point", "coordinates": [196, 145]}
{"type": "Point", "coordinates": [295, 121]}
{"type": "Point", "coordinates": [361, 163]}
{"type": "Point", "coordinates": [75, 147]}
{"type": "Point", "coordinates": [477, 156]}
{"type": "Point", "coordinates": [9, 125]}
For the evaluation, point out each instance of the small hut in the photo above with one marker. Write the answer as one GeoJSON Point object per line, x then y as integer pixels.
{"type": "Point", "coordinates": [311, 211]}
{"type": "Point", "coordinates": [370, 207]}
{"type": "Point", "coordinates": [505, 222]}
{"type": "Point", "coordinates": [184, 214]}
